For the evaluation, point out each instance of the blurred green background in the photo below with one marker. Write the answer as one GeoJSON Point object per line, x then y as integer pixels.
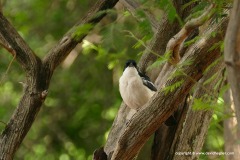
{"type": "Point", "coordinates": [83, 96]}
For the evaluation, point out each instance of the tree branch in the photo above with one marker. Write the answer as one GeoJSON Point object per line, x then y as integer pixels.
{"type": "Point", "coordinates": [158, 109]}
{"type": "Point", "coordinates": [13, 42]}
{"type": "Point", "coordinates": [165, 31]}
{"type": "Point", "coordinates": [175, 43]}
{"type": "Point", "coordinates": [5, 45]}
{"type": "Point", "coordinates": [76, 34]}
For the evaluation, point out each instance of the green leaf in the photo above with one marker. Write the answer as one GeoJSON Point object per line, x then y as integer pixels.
{"type": "Point", "coordinates": [209, 80]}
{"type": "Point", "coordinates": [192, 41]}
{"type": "Point", "coordinates": [212, 65]}
{"type": "Point", "coordinates": [172, 13]}
{"type": "Point", "coordinates": [199, 104]}
{"type": "Point", "coordinates": [172, 87]}
{"type": "Point", "coordinates": [87, 47]}
{"type": "Point", "coordinates": [81, 30]}
{"type": "Point", "coordinates": [161, 60]}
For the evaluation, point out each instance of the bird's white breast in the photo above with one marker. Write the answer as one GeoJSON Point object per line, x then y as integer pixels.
{"type": "Point", "coordinates": [132, 90]}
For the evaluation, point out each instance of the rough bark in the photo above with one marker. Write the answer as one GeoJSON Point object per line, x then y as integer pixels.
{"type": "Point", "coordinates": [38, 75]}
{"type": "Point", "coordinates": [163, 137]}
{"type": "Point", "coordinates": [232, 56]}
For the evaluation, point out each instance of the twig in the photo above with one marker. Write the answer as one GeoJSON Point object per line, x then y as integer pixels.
{"type": "Point", "coordinates": [142, 43]}
{"type": "Point", "coordinates": [3, 123]}
{"type": "Point", "coordinates": [8, 68]}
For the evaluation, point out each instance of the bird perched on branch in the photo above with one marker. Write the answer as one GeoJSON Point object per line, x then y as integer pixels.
{"type": "Point", "coordinates": [136, 88]}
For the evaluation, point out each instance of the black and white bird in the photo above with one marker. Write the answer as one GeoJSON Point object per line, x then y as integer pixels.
{"type": "Point", "coordinates": [136, 88]}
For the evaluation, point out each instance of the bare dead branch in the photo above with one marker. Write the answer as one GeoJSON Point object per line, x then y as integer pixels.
{"type": "Point", "coordinates": [58, 53]}
{"type": "Point", "coordinates": [158, 109]}
{"type": "Point", "coordinates": [175, 43]}
{"type": "Point", "coordinates": [132, 6]}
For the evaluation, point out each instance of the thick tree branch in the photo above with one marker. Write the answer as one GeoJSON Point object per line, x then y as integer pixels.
{"type": "Point", "coordinates": [232, 56]}
{"type": "Point", "coordinates": [5, 45]}
{"type": "Point", "coordinates": [164, 136]}
{"type": "Point", "coordinates": [158, 109]}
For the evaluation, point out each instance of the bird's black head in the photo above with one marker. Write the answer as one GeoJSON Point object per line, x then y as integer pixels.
{"type": "Point", "coordinates": [130, 63]}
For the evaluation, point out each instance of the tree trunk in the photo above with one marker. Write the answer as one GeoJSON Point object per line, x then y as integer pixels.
{"type": "Point", "coordinates": [232, 56]}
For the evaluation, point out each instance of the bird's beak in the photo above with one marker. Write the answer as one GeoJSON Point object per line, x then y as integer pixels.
{"type": "Point", "coordinates": [131, 65]}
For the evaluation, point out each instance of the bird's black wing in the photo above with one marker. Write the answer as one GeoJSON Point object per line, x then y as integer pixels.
{"type": "Point", "coordinates": [147, 82]}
